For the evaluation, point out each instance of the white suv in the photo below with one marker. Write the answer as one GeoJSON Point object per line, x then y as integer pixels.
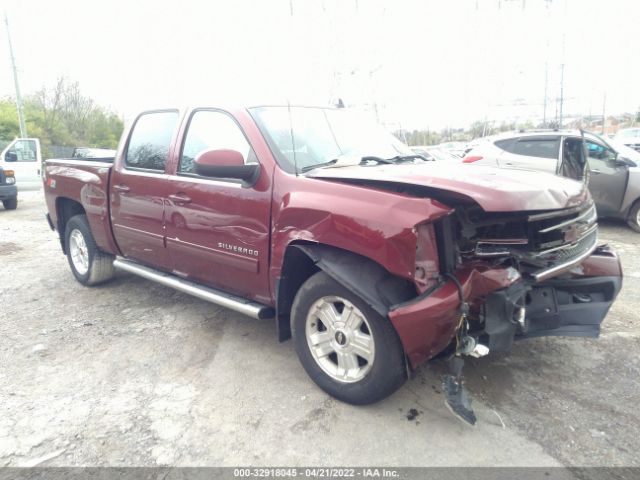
{"type": "Point", "coordinates": [614, 180]}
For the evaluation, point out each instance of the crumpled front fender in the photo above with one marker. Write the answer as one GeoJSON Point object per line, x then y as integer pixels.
{"type": "Point", "coordinates": [427, 324]}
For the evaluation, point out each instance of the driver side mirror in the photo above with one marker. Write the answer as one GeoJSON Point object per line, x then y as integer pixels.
{"type": "Point", "coordinates": [226, 164]}
{"type": "Point", "coordinates": [623, 162]}
{"type": "Point", "coordinates": [10, 156]}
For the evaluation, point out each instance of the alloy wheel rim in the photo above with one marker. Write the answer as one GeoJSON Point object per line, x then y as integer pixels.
{"type": "Point", "coordinates": [79, 252]}
{"type": "Point", "coordinates": [340, 339]}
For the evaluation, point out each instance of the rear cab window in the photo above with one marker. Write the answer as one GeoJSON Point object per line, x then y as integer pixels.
{"type": "Point", "coordinates": [150, 140]}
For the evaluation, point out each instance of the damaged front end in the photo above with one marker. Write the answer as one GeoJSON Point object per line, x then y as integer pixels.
{"type": "Point", "coordinates": [505, 277]}
{"type": "Point", "coordinates": [559, 292]}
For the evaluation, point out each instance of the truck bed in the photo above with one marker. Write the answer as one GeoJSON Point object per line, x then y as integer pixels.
{"type": "Point", "coordinates": [70, 183]}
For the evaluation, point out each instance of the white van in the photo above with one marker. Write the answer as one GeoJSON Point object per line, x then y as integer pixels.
{"type": "Point", "coordinates": [24, 157]}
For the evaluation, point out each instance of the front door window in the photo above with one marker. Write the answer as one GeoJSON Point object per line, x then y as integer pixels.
{"type": "Point", "coordinates": [21, 151]}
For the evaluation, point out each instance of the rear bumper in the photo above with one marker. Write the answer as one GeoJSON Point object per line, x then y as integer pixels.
{"type": "Point", "coordinates": [8, 191]}
{"type": "Point", "coordinates": [574, 305]}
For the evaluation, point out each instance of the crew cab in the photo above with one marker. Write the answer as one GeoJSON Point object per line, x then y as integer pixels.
{"type": "Point", "coordinates": [373, 259]}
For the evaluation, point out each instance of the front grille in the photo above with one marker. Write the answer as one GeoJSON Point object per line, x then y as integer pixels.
{"type": "Point", "coordinates": [546, 244]}
{"type": "Point", "coordinates": [571, 251]}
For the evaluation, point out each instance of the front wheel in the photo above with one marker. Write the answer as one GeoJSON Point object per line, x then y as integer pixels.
{"type": "Point", "coordinates": [10, 203]}
{"type": "Point", "coordinates": [634, 217]}
{"type": "Point", "coordinates": [347, 348]}
{"type": "Point", "coordinates": [88, 263]}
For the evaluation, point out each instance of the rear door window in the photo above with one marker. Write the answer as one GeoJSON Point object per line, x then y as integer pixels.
{"type": "Point", "coordinates": [543, 147]}
{"type": "Point", "coordinates": [150, 140]}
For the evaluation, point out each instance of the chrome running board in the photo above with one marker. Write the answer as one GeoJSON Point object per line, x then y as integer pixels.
{"type": "Point", "coordinates": [242, 305]}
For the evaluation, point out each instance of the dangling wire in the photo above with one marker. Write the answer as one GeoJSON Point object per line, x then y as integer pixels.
{"type": "Point", "coordinates": [463, 325]}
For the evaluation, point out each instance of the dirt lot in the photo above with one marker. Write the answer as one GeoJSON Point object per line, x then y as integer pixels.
{"type": "Point", "coordinates": [132, 373]}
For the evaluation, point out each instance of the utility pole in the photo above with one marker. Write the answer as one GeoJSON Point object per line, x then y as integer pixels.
{"type": "Point", "coordinates": [564, 38]}
{"type": "Point", "coordinates": [604, 119]}
{"type": "Point", "coordinates": [561, 92]}
{"type": "Point", "coordinates": [23, 127]}
{"type": "Point", "coordinates": [546, 81]}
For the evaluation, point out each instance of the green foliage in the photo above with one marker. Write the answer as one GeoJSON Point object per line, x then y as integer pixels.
{"type": "Point", "coordinates": [62, 115]}
{"type": "Point", "coordinates": [9, 127]}
{"type": "Point", "coordinates": [479, 128]}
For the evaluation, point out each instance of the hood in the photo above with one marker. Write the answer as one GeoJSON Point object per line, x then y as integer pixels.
{"type": "Point", "coordinates": [494, 189]}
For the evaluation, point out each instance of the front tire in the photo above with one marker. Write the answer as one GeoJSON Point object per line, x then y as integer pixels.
{"type": "Point", "coordinates": [10, 203]}
{"type": "Point", "coordinates": [634, 217]}
{"type": "Point", "coordinates": [349, 350]}
{"type": "Point", "coordinates": [88, 263]}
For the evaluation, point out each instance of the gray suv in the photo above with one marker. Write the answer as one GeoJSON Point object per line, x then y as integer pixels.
{"type": "Point", "coordinates": [614, 178]}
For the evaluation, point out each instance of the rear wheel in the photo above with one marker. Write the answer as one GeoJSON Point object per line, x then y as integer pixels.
{"type": "Point", "coordinates": [634, 217]}
{"type": "Point", "coordinates": [88, 263]}
{"type": "Point", "coordinates": [348, 349]}
{"type": "Point", "coordinates": [10, 203]}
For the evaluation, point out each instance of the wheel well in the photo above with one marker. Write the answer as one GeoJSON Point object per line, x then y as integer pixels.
{"type": "Point", "coordinates": [364, 277]}
{"type": "Point", "coordinates": [632, 205]}
{"type": "Point", "coordinates": [66, 208]}
{"type": "Point", "coordinates": [296, 269]}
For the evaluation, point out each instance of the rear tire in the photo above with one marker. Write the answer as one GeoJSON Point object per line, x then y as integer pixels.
{"type": "Point", "coordinates": [88, 263]}
{"type": "Point", "coordinates": [634, 217]}
{"type": "Point", "coordinates": [10, 203]}
{"type": "Point", "coordinates": [348, 349]}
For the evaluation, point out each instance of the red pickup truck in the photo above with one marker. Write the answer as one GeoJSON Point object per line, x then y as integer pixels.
{"type": "Point", "coordinates": [373, 259]}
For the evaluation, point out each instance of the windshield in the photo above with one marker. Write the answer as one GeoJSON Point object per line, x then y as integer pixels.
{"type": "Point", "coordinates": [302, 137]}
{"type": "Point", "coordinates": [620, 148]}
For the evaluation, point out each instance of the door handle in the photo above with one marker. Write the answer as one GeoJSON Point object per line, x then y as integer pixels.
{"type": "Point", "coordinates": [179, 199]}
{"type": "Point", "coordinates": [596, 172]}
{"type": "Point", "coordinates": [121, 188]}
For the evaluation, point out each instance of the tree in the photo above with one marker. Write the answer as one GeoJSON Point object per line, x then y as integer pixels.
{"type": "Point", "coordinates": [62, 115]}
{"type": "Point", "coordinates": [9, 127]}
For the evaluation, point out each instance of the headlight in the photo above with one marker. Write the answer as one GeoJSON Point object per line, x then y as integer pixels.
{"type": "Point", "coordinates": [10, 180]}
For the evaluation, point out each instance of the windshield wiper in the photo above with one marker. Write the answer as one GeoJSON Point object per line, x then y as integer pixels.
{"type": "Point", "coordinates": [318, 165]}
{"type": "Point", "coordinates": [373, 158]}
{"type": "Point", "coordinates": [364, 159]}
{"type": "Point", "coordinates": [402, 158]}
{"type": "Point", "coordinates": [368, 158]}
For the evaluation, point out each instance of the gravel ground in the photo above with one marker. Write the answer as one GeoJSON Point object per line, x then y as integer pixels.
{"type": "Point", "coordinates": [132, 373]}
